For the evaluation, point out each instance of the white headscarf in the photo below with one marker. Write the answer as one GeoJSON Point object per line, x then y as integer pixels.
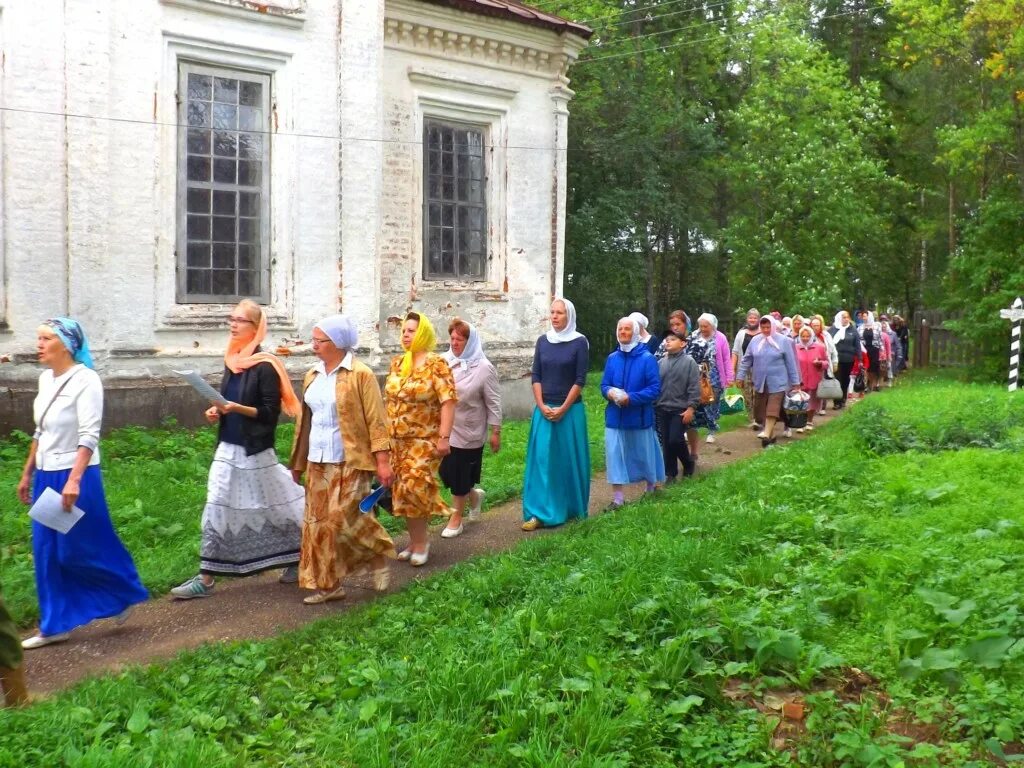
{"type": "Point", "coordinates": [634, 339]}
{"type": "Point", "coordinates": [837, 323]}
{"type": "Point", "coordinates": [711, 319]}
{"type": "Point", "coordinates": [471, 353]}
{"type": "Point", "coordinates": [770, 340]}
{"type": "Point", "coordinates": [569, 332]}
{"type": "Point", "coordinates": [341, 330]}
{"type": "Point", "coordinates": [643, 322]}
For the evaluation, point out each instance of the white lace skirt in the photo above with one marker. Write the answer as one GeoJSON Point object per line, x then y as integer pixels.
{"type": "Point", "coordinates": [253, 515]}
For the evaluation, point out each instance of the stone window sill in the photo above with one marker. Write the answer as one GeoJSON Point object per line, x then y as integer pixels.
{"type": "Point", "coordinates": [286, 13]}
{"type": "Point", "coordinates": [205, 317]}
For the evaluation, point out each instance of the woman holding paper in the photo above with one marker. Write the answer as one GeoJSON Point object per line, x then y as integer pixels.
{"type": "Point", "coordinates": [252, 521]}
{"type": "Point", "coordinates": [86, 573]}
{"type": "Point", "coordinates": [341, 441]}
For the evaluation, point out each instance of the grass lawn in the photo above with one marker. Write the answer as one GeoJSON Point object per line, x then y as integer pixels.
{"type": "Point", "coordinates": [891, 542]}
{"type": "Point", "coordinates": [155, 480]}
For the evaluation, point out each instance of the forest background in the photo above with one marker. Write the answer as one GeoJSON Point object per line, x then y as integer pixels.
{"type": "Point", "coordinates": [807, 156]}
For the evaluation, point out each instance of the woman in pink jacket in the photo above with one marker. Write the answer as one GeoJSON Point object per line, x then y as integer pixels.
{"type": "Point", "coordinates": [812, 362]}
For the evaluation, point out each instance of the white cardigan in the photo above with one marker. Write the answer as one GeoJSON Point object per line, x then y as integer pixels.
{"type": "Point", "coordinates": [73, 420]}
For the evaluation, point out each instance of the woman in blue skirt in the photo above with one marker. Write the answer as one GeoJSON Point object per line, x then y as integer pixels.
{"type": "Point", "coordinates": [85, 574]}
{"type": "Point", "coordinates": [631, 385]}
{"type": "Point", "coordinates": [556, 487]}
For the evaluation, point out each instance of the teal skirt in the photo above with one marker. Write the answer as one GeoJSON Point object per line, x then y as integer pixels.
{"type": "Point", "coordinates": [556, 487]}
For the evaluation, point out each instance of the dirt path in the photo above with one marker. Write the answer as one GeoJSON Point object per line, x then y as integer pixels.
{"type": "Point", "coordinates": [260, 607]}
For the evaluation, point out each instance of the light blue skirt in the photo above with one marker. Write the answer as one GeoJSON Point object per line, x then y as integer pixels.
{"type": "Point", "coordinates": [632, 455]}
{"type": "Point", "coordinates": [556, 487]}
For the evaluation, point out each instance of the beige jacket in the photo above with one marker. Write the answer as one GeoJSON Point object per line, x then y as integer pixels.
{"type": "Point", "coordinates": [361, 414]}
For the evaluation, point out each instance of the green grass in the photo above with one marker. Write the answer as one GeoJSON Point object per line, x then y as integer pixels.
{"type": "Point", "coordinates": [610, 643]}
{"type": "Point", "coordinates": [155, 481]}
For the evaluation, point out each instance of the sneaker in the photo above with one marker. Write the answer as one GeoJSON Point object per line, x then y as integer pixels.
{"type": "Point", "coordinates": [532, 524]}
{"type": "Point", "coordinates": [451, 533]}
{"type": "Point", "coordinates": [762, 435]}
{"type": "Point", "coordinates": [710, 439]}
{"type": "Point", "coordinates": [821, 412]}
{"type": "Point", "coordinates": [194, 587]}
{"type": "Point", "coordinates": [38, 641]}
{"type": "Point", "coordinates": [800, 431]}
{"type": "Point", "coordinates": [810, 427]}
{"type": "Point", "coordinates": [478, 495]}
{"type": "Point", "coordinates": [290, 575]}
{"type": "Point", "coordinates": [787, 433]}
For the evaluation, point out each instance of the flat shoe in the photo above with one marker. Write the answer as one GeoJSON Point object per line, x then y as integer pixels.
{"type": "Point", "coordinates": [532, 524]}
{"type": "Point", "coordinates": [451, 533]}
{"type": "Point", "coordinates": [325, 597]}
{"type": "Point", "coordinates": [420, 558]}
{"type": "Point", "coordinates": [762, 435]}
{"type": "Point", "coordinates": [38, 641]}
{"type": "Point", "coordinates": [124, 615]}
{"type": "Point", "coordinates": [405, 554]}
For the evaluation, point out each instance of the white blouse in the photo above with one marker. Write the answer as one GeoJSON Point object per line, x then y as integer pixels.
{"type": "Point", "coordinates": [72, 421]}
{"type": "Point", "coordinates": [325, 444]}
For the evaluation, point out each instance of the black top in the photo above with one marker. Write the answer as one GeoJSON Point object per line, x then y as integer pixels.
{"type": "Point", "coordinates": [231, 423]}
{"type": "Point", "coordinates": [848, 349]}
{"type": "Point", "coordinates": [260, 388]}
{"type": "Point", "coordinates": [557, 367]}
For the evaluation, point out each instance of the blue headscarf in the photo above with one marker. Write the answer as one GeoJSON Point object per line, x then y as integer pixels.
{"type": "Point", "coordinates": [70, 332]}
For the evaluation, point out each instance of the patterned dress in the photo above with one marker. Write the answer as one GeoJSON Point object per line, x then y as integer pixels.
{"type": "Point", "coordinates": [703, 353]}
{"type": "Point", "coordinates": [414, 410]}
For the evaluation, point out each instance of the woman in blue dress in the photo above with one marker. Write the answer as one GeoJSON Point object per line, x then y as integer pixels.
{"type": "Point", "coordinates": [556, 486]}
{"type": "Point", "coordinates": [631, 384]}
{"type": "Point", "coordinates": [86, 573]}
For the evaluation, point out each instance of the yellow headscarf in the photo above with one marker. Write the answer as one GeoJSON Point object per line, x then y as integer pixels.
{"type": "Point", "coordinates": [425, 340]}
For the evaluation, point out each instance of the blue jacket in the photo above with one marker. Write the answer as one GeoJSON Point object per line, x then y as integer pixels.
{"type": "Point", "coordinates": [773, 367]}
{"type": "Point", "coordinates": [635, 372]}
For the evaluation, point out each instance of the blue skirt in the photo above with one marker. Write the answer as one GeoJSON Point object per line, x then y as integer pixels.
{"type": "Point", "coordinates": [556, 487]}
{"type": "Point", "coordinates": [632, 455]}
{"type": "Point", "coordinates": [86, 574]}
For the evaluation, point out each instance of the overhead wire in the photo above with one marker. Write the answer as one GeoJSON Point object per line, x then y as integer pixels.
{"type": "Point", "coordinates": [413, 142]}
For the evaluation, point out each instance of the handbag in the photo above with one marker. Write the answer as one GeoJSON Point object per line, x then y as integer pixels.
{"type": "Point", "coordinates": [829, 389]}
{"type": "Point", "coordinates": [707, 392]}
{"type": "Point", "coordinates": [859, 383]}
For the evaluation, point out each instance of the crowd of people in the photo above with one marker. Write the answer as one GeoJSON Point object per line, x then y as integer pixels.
{"type": "Point", "coordinates": [428, 426]}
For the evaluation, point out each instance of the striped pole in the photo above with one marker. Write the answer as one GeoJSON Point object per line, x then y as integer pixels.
{"type": "Point", "coordinates": [1015, 345]}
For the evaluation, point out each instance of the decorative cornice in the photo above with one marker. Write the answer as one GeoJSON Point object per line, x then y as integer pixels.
{"type": "Point", "coordinates": [451, 34]}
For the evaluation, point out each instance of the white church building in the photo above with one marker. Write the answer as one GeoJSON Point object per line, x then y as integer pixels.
{"type": "Point", "coordinates": [160, 159]}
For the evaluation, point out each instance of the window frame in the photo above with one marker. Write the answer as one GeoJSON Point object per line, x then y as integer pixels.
{"type": "Point", "coordinates": [429, 122]}
{"type": "Point", "coordinates": [266, 79]}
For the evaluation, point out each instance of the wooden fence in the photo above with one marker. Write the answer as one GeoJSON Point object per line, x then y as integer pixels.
{"type": "Point", "coordinates": [934, 343]}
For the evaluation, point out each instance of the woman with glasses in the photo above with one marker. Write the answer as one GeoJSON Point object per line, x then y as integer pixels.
{"type": "Point", "coordinates": [341, 442]}
{"type": "Point", "coordinates": [252, 520]}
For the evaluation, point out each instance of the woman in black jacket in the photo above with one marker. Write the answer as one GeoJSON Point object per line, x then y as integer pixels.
{"type": "Point", "coordinates": [253, 515]}
{"type": "Point", "coordinates": [847, 349]}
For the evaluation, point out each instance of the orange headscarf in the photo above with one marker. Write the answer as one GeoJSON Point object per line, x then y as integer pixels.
{"type": "Point", "coordinates": [240, 356]}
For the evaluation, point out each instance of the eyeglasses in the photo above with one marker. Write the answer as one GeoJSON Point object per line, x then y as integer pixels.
{"type": "Point", "coordinates": [315, 341]}
{"type": "Point", "coordinates": [232, 320]}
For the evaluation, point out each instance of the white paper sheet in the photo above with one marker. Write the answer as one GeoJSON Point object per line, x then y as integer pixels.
{"type": "Point", "coordinates": [49, 510]}
{"type": "Point", "coordinates": [200, 385]}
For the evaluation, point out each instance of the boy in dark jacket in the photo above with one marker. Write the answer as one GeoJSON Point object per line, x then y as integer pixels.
{"type": "Point", "coordinates": [674, 409]}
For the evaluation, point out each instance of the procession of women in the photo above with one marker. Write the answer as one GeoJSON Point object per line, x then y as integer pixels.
{"type": "Point", "coordinates": [358, 444]}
